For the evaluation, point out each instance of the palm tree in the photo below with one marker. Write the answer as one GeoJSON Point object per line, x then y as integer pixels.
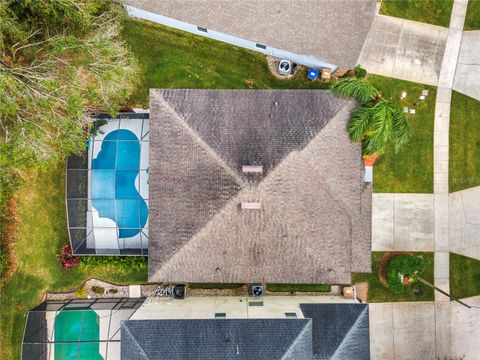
{"type": "Point", "coordinates": [376, 122]}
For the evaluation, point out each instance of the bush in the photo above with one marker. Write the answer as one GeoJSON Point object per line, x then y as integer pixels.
{"type": "Point", "coordinates": [360, 72]}
{"type": "Point", "coordinates": [403, 265]}
{"type": "Point", "coordinates": [125, 263]}
{"type": "Point", "coordinates": [98, 289]}
{"type": "Point", "coordinates": [112, 291]}
{"type": "Point", "coordinates": [81, 293]}
{"type": "Point", "coordinates": [66, 258]}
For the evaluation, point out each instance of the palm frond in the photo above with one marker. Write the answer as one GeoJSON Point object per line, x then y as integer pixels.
{"type": "Point", "coordinates": [357, 88]}
{"type": "Point", "coordinates": [359, 122]}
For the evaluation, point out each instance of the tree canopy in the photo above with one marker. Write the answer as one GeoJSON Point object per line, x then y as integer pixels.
{"type": "Point", "coordinates": [60, 60]}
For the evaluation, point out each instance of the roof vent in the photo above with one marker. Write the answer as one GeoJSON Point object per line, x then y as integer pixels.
{"type": "Point", "coordinates": [250, 206]}
{"type": "Point", "coordinates": [252, 168]}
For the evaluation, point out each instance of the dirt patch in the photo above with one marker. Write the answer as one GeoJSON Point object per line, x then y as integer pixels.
{"type": "Point", "coordinates": [382, 268]}
{"type": "Point", "coordinates": [9, 234]}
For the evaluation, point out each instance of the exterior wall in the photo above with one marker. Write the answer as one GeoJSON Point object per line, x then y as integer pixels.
{"type": "Point", "coordinates": [234, 307]}
{"type": "Point", "coordinates": [247, 44]}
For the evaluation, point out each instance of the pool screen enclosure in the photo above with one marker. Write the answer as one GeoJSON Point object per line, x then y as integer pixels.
{"type": "Point", "coordinates": [107, 188]}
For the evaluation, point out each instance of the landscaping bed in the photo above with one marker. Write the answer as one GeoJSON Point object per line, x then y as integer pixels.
{"type": "Point", "coordinates": [378, 292]}
{"type": "Point", "coordinates": [464, 276]}
{"type": "Point", "coordinates": [411, 169]}
{"type": "Point", "coordinates": [436, 12]}
{"type": "Point", "coordinates": [298, 288]}
{"type": "Point", "coordinates": [464, 164]}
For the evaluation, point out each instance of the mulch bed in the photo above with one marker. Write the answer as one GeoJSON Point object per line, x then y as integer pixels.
{"type": "Point", "coordinates": [382, 268]}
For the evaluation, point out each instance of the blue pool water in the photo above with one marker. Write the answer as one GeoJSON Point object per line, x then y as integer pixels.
{"type": "Point", "coordinates": [114, 194]}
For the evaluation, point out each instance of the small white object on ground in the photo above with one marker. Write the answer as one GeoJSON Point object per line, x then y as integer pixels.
{"type": "Point", "coordinates": [404, 95]}
{"type": "Point", "coordinates": [423, 97]}
{"type": "Point", "coordinates": [412, 111]}
{"type": "Point", "coordinates": [425, 92]}
{"type": "Point", "coordinates": [405, 109]}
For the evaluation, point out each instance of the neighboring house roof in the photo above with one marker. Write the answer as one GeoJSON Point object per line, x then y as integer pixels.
{"type": "Point", "coordinates": [314, 225]}
{"type": "Point", "coordinates": [212, 339]}
{"type": "Point", "coordinates": [329, 30]}
{"type": "Point", "coordinates": [340, 331]}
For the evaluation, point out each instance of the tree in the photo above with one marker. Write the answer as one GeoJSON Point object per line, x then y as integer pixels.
{"type": "Point", "coordinates": [60, 60]}
{"type": "Point", "coordinates": [376, 122]}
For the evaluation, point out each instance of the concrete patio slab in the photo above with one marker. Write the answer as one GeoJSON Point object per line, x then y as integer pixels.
{"type": "Point", "coordinates": [467, 75]}
{"type": "Point", "coordinates": [464, 210]}
{"type": "Point", "coordinates": [404, 49]}
{"type": "Point", "coordinates": [403, 222]}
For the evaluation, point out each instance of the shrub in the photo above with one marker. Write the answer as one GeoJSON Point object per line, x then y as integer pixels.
{"type": "Point", "coordinates": [117, 263]}
{"type": "Point", "coordinates": [360, 72]}
{"type": "Point", "coordinates": [66, 258]}
{"type": "Point", "coordinates": [98, 289]}
{"type": "Point", "coordinates": [403, 265]}
{"type": "Point", "coordinates": [81, 293]}
{"type": "Point", "coordinates": [112, 291]}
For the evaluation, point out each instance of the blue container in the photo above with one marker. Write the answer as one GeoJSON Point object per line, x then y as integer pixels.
{"type": "Point", "coordinates": [312, 74]}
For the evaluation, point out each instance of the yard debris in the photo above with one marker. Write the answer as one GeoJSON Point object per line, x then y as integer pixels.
{"type": "Point", "coordinates": [425, 92]}
{"type": "Point", "coordinates": [405, 109]}
{"type": "Point", "coordinates": [412, 111]}
{"type": "Point", "coordinates": [404, 95]}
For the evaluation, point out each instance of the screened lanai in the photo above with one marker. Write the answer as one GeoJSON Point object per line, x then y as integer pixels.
{"type": "Point", "coordinates": [107, 188]}
{"type": "Point", "coordinates": [76, 329]}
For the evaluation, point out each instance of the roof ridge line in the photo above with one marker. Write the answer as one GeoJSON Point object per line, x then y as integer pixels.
{"type": "Point", "coordinates": [199, 140]}
{"type": "Point", "coordinates": [290, 348]}
{"type": "Point", "coordinates": [136, 342]}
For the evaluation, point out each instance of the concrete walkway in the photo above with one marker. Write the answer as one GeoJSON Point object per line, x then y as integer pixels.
{"type": "Point", "coordinates": [404, 49]}
{"type": "Point", "coordinates": [467, 74]}
{"type": "Point", "coordinates": [443, 328]}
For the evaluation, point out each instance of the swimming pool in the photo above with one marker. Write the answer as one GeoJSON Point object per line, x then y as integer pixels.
{"type": "Point", "coordinates": [115, 183]}
{"type": "Point", "coordinates": [77, 333]}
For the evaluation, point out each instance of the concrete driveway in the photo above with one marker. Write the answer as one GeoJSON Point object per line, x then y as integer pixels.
{"type": "Point", "coordinates": [402, 331]}
{"type": "Point", "coordinates": [464, 208]}
{"type": "Point", "coordinates": [467, 73]}
{"type": "Point", "coordinates": [403, 222]}
{"type": "Point", "coordinates": [465, 329]}
{"type": "Point", "coordinates": [404, 49]}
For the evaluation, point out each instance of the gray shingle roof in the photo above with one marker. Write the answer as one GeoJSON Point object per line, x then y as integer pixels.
{"type": "Point", "coordinates": [315, 221]}
{"type": "Point", "coordinates": [329, 30]}
{"type": "Point", "coordinates": [340, 331]}
{"type": "Point", "coordinates": [239, 339]}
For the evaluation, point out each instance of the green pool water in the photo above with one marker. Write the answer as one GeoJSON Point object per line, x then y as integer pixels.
{"type": "Point", "coordinates": [75, 326]}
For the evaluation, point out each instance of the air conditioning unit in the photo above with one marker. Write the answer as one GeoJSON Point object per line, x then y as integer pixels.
{"type": "Point", "coordinates": [256, 289]}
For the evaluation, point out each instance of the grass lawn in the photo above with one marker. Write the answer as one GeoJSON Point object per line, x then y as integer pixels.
{"type": "Point", "coordinates": [43, 231]}
{"type": "Point", "coordinates": [176, 59]}
{"type": "Point", "coordinates": [472, 21]}
{"type": "Point", "coordinates": [411, 169]}
{"type": "Point", "coordinates": [378, 293]}
{"type": "Point", "coordinates": [435, 12]}
{"type": "Point", "coordinates": [214, 286]}
{"type": "Point", "coordinates": [464, 165]}
{"type": "Point", "coordinates": [298, 287]}
{"type": "Point", "coordinates": [464, 276]}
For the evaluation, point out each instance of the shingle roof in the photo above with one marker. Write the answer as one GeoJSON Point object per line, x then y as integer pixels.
{"type": "Point", "coordinates": [212, 339]}
{"type": "Point", "coordinates": [315, 222]}
{"type": "Point", "coordinates": [340, 331]}
{"type": "Point", "coordinates": [329, 30]}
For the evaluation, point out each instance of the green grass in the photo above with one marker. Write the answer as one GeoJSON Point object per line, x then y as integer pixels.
{"type": "Point", "coordinates": [464, 165]}
{"type": "Point", "coordinates": [175, 59]}
{"type": "Point", "coordinates": [298, 287]}
{"type": "Point", "coordinates": [464, 276]}
{"type": "Point", "coordinates": [472, 21]}
{"type": "Point", "coordinates": [43, 231]}
{"type": "Point", "coordinates": [411, 169]}
{"type": "Point", "coordinates": [378, 293]}
{"type": "Point", "coordinates": [436, 12]}
{"type": "Point", "coordinates": [214, 286]}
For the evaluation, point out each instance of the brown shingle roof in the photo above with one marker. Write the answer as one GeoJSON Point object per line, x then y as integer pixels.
{"type": "Point", "coordinates": [329, 30]}
{"type": "Point", "coordinates": [315, 216]}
